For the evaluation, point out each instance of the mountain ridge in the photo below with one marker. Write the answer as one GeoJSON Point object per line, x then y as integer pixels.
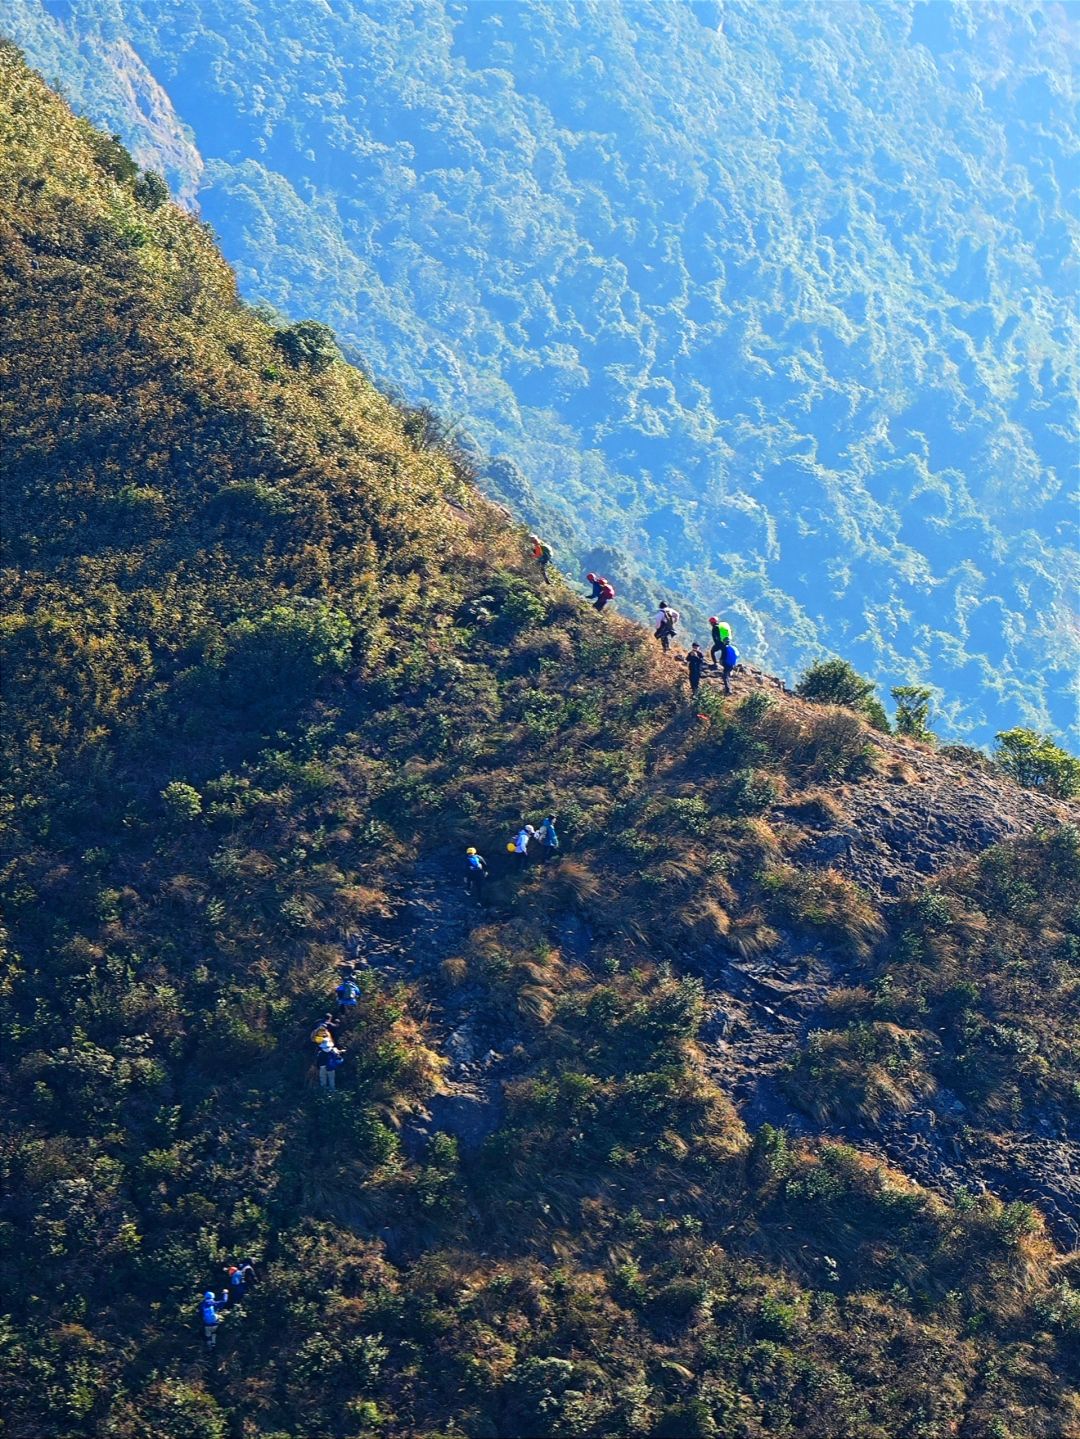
{"type": "Point", "coordinates": [271, 663]}
{"type": "Point", "coordinates": [772, 351]}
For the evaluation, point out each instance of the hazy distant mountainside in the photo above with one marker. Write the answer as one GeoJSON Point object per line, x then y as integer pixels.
{"type": "Point", "coordinates": [751, 1113]}
{"type": "Point", "coordinates": [768, 306]}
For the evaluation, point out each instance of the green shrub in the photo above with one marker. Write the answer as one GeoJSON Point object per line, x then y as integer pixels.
{"type": "Point", "coordinates": [249, 502]}
{"type": "Point", "coordinates": [835, 682]}
{"type": "Point", "coordinates": [182, 802]}
{"type": "Point", "coordinates": [285, 651]}
{"type": "Point", "coordinates": [770, 1155]}
{"type": "Point", "coordinates": [517, 604]}
{"type": "Point", "coordinates": [751, 793]}
{"type": "Point", "coordinates": [176, 1410]}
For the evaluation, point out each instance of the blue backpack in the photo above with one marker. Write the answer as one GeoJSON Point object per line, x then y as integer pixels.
{"type": "Point", "coordinates": [475, 862]}
{"type": "Point", "coordinates": [731, 656]}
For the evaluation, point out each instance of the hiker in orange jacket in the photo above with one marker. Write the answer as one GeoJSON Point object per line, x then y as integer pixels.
{"type": "Point", "coordinates": [542, 556]}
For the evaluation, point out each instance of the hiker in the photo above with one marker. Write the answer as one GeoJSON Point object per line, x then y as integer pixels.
{"type": "Point", "coordinates": [239, 1276]}
{"type": "Point", "coordinates": [521, 842]}
{"type": "Point", "coordinates": [542, 556]}
{"type": "Point", "coordinates": [607, 592]}
{"type": "Point", "coordinates": [476, 872]}
{"type": "Point", "coordinates": [549, 840]}
{"type": "Point", "coordinates": [347, 992]}
{"type": "Point", "coordinates": [729, 658]}
{"type": "Point", "coordinates": [209, 1316]}
{"type": "Point", "coordinates": [696, 663]}
{"type": "Point", "coordinates": [720, 636]}
{"type": "Point", "coordinates": [665, 621]}
{"type": "Point", "coordinates": [329, 1059]}
{"type": "Point", "coordinates": [324, 1030]}
{"type": "Point", "coordinates": [596, 583]}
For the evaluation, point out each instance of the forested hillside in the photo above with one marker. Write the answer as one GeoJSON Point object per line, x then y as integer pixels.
{"type": "Point", "coordinates": [727, 1120]}
{"type": "Point", "coordinates": [769, 304]}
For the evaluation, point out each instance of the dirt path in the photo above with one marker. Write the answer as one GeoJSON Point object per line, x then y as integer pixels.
{"type": "Point", "coordinates": [432, 919]}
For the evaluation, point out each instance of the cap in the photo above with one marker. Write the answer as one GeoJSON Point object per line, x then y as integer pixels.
{"type": "Point", "coordinates": [471, 849]}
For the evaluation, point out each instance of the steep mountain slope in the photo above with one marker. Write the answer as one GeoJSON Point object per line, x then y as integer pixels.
{"type": "Point", "coordinates": [269, 667]}
{"type": "Point", "coordinates": [769, 305]}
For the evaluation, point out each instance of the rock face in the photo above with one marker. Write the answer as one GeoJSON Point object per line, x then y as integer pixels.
{"type": "Point", "coordinates": [926, 816]}
{"type": "Point", "coordinates": [469, 1117]}
{"type": "Point", "coordinates": [163, 142]}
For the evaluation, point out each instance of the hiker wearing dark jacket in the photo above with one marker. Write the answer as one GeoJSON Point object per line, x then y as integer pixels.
{"type": "Point", "coordinates": [329, 1060]}
{"type": "Point", "coordinates": [695, 661]}
{"type": "Point", "coordinates": [239, 1276]}
{"type": "Point", "coordinates": [595, 585]}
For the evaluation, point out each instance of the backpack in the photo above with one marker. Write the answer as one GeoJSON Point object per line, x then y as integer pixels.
{"type": "Point", "coordinates": [731, 656]}
{"type": "Point", "coordinates": [475, 863]}
{"type": "Point", "coordinates": [608, 591]}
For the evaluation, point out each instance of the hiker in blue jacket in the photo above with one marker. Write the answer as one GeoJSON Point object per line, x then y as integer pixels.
{"type": "Point", "coordinates": [347, 993]}
{"type": "Point", "coordinates": [209, 1316]}
{"type": "Point", "coordinates": [549, 840]}
{"type": "Point", "coordinates": [729, 658]}
{"type": "Point", "coordinates": [476, 872]}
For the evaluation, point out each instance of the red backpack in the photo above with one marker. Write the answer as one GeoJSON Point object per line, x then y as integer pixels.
{"type": "Point", "coordinates": [607, 591]}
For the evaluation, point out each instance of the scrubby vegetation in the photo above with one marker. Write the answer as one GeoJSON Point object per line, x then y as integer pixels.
{"type": "Point", "coordinates": [976, 995]}
{"type": "Point", "coordinates": [267, 658]}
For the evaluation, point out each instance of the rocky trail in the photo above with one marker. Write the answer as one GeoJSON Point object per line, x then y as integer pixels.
{"type": "Point", "coordinates": [432, 919]}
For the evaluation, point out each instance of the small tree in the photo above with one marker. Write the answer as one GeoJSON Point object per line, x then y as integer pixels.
{"type": "Point", "coordinates": [151, 190]}
{"type": "Point", "coordinates": [913, 712]}
{"type": "Point", "coordinates": [836, 682]}
{"type": "Point", "coordinates": [1037, 762]}
{"type": "Point", "coordinates": [308, 343]}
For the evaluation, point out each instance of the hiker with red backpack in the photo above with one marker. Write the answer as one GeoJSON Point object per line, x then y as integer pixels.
{"type": "Point", "coordinates": [605, 592]}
